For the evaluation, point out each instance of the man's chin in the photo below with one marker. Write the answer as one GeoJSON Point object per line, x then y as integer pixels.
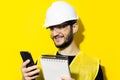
{"type": "Point", "coordinates": [58, 45]}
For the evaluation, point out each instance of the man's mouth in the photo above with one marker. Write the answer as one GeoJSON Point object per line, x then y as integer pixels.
{"type": "Point", "coordinates": [58, 38]}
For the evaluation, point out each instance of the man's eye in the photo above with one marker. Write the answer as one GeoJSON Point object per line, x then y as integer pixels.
{"type": "Point", "coordinates": [51, 28]}
{"type": "Point", "coordinates": [61, 26]}
{"type": "Point", "coordinates": [64, 25]}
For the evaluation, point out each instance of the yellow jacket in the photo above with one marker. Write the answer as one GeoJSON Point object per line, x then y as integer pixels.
{"type": "Point", "coordinates": [82, 67]}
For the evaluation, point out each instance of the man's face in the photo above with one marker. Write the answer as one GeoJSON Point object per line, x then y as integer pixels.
{"type": "Point", "coordinates": [62, 36]}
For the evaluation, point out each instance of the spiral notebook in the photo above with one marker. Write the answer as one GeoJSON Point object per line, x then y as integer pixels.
{"type": "Point", "coordinates": [54, 66]}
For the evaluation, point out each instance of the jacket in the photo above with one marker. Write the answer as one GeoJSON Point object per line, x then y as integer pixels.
{"type": "Point", "coordinates": [83, 67]}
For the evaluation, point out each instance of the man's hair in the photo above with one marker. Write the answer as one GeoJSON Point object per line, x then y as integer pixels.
{"type": "Point", "coordinates": [71, 22]}
{"type": "Point", "coordinates": [64, 24]}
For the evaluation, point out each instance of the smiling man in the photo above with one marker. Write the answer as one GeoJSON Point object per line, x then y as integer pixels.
{"type": "Point", "coordinates": [61, 20]}
{"type": "Point", "coordinates": [62, 34]}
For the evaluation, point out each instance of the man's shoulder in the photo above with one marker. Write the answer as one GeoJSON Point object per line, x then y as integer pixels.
{"type": "Point", "coordinates": [87, 59]}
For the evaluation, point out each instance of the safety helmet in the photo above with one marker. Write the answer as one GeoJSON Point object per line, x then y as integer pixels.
{"type": "Point", "coordinates": [58, 13]}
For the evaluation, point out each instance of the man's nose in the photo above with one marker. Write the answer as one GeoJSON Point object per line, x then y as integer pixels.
{"type": "Point", "coordinates": [55, 31]}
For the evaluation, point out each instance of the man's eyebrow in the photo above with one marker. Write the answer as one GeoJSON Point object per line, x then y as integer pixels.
{"type": "Point", "coordinates": [51, 26]}
{"type": "Point", "coordinates": [60, 25]}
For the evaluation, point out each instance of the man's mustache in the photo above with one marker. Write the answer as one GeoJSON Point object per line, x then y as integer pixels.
{"type": "Point", "coordinates": [57, 36]}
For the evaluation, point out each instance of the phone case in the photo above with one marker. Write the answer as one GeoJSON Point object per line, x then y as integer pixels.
{"type": "Point", "coordinates": [26, 55]}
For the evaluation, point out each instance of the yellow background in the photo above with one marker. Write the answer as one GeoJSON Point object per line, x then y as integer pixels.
{"type": "Point", "coordinates": [21, 29]}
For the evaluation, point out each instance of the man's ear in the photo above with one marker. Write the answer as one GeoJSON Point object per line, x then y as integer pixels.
{"type": "Point", "coordinates": [75, 27]}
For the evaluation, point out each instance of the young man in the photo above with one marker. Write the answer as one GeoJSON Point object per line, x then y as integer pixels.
{"type": "Point", "coordinates": [61, 19]}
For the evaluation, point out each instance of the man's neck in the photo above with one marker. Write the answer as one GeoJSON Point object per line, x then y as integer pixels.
{"type": "Point", "coordinates": [71, 50]}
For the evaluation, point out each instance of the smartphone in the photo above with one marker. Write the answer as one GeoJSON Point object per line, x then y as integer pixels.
{"type": "Point", "coordinates": [27, 55]}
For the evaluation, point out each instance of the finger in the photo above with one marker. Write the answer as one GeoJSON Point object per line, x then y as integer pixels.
{"type": "Point", "coordinates": [33, 77]}
{"type": "Point", "coordinates": [31, 68]}
{"type": "Point", "coordinates": [25, 63]}
{"type": "Point", "coordinates": [66, 78]}
{"type": "Point", "coordinates": [33, 73]}
{"type": "Point", "coordinates": [27, 78]}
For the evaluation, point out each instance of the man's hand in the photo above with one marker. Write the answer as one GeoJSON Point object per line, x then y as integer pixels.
{"type": "Point", "coordinates": [29, 72]}
{"type": "Point", "coordinates": [66, 78]}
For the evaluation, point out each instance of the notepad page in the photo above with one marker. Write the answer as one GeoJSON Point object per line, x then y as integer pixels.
{"type": "Point", "coordinates": [53, 69]}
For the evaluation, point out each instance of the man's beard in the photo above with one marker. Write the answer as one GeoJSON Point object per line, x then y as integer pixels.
{"type": "Point", "coordinates": [67, 42]}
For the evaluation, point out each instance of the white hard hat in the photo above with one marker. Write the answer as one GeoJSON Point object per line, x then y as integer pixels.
{"type": "Point", "coordinates": [58, 13]}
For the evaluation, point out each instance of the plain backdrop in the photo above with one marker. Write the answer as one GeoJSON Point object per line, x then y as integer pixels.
{"type": "Point", "coordinates": [21, 29]}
